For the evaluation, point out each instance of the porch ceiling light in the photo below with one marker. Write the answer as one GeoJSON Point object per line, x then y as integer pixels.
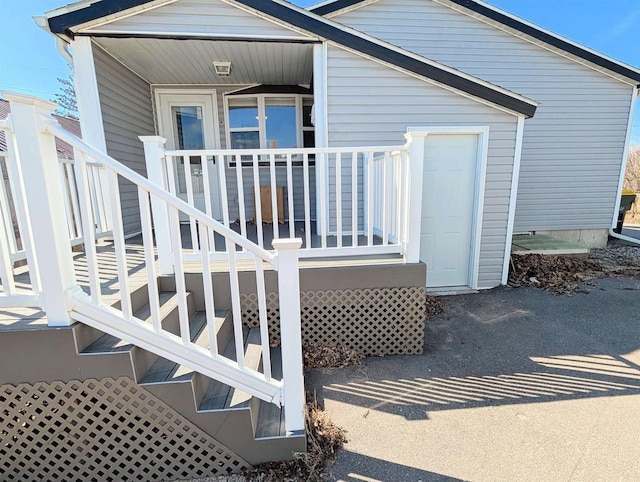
{"type": "Point", "coordinates": [222, 68]}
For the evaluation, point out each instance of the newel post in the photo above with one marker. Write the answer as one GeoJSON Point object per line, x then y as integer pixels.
{"type": "Point", "coordinates": [415, 145]}
{"type": "Point", "coordinates": [154, 157]}
{"type": "Point", "coordinates": [38, 160]}
{"type": "Point", "coordinates": [291, 332]}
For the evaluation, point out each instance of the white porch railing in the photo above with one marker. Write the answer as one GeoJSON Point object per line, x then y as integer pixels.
{"type": "Point", "coordinates": [65, 302]}
{"type": "Point", "coordinates": [341, 202]}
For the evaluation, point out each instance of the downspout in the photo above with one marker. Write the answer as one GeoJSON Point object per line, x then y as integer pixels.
{"type": "Point", "coordinates": [61, 45]}
{"type": "Point", "coordinates": [63, 50]}
{"type": "Point", "coordinates": [623, 168]}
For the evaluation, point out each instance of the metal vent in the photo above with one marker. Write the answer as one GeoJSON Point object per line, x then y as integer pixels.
{"type": "Point", "coordinates": [222, 69]}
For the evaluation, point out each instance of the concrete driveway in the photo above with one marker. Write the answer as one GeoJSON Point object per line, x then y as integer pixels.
{"type": "Point", "coordinates": [514, 385]}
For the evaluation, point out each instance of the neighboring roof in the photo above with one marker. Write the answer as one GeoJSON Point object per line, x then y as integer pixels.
{"type": "Point", "coordinates": [64, 150]}
{"type": "Point", "coordinates": [511, 21]}
{"type": "Point", "coordinates": [63, 21]}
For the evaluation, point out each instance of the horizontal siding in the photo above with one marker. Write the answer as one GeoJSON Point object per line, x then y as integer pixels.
{"type": "Point", "coordinates": [391, 101]}
{"type": "Point", "coordinates": [579, 126]}
{"type": "Point", "coordinates": [198, 17]}
{"type": "Point", "coordinates": [126, 114]}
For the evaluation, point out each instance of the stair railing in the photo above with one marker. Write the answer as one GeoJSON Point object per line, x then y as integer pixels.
{"type": "Point", "coordinates": [65, 302]}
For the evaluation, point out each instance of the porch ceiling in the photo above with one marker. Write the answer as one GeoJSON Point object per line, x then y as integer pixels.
{"type": "Point", "coordinates": [169, 61]}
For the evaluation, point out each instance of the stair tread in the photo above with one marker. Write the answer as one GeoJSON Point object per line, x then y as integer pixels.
{"type": "Point", "coordinates": [166, 370]}
{"type": "Point", "coordinates": [109, 343]}
{"type": "Point", "coordinates": [271, 417]}
{"type": "Point", "coordinates": [217, 392]}
{"type": "Point", "coordinates": [253, 360]}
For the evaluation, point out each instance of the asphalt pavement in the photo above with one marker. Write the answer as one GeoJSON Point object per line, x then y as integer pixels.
{"type": "Point", "coordinates": [514, 385]}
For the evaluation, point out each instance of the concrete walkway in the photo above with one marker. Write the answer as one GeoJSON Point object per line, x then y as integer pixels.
{"type": "Point", "coordinates": [515, 385]}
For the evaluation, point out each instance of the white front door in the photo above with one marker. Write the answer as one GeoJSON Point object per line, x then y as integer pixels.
{"type": "Point", "coordinates": [189, 121]}
{"type": "Point", "coordinates": [450, 165]}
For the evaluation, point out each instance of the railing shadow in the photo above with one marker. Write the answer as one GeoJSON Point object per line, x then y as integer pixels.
{"type": "Point", "coordinates": [493, 350]}
{"type": "Point", "coordinates": [355, 467]}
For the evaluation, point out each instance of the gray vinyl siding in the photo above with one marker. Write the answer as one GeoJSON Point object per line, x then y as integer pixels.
{"type": "Point", "coordinates": [198, 17]}
{"type": "Point", "coordinates": [573, 146]}
{"type": "Point", "coordinates": [372, 104]}
{"type": "Point", "coordinates": [126, 114]}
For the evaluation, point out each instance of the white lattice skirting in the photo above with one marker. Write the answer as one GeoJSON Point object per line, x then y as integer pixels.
{"type": "Point", "coordinates": [384, 321]}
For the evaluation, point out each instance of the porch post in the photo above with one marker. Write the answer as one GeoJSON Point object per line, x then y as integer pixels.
{"type": "Point", "coordinates": [415, 144]}
{"type": "Point", "coordinates": [291, 332]}
{"type": "Point", "coordinates": [36, 155]}
{"type": "Point", "coordinates": [154, 155]}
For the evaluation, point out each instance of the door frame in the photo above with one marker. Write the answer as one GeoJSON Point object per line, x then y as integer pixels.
{"type": "Point", "coordinates": [479, 188]}
{"type": "Point", "coordinates": [214, 138]}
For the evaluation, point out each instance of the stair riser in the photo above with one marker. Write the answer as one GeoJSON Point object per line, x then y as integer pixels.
{"type": "Point", "coordinates": [171, 320]}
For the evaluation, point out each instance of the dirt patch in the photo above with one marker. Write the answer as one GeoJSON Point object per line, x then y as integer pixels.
{"type": "Point", "coordinates": [563, 274]}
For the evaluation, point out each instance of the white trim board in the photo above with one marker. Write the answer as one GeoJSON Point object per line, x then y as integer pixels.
{"type": "Point", "coordinates": [480, 185]}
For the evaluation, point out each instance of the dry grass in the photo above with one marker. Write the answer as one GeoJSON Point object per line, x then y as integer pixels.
{"type": "Point", "coordinates": [319, 355]}
{"type": "Point", "coordinates": [558, 274]}
{"type": "Point", "coordinates": [324, 439]}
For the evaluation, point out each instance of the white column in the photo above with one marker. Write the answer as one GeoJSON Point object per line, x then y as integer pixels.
{"type": "Point", "coordinates": [321, 127]}
{"type": "Point", "coordinates": [415, 144]}
{"type": "Point", "coordinates": [89, 109]}
{"type": "Point", "coordinates": [154, 155]}
{"type": "Point", "coordinates": [291, 332]}
{"type": "Point", "coordinates": [45, 203]}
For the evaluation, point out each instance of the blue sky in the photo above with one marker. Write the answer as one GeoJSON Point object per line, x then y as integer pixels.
{"type": "Point", "coordinates": [31, 64]}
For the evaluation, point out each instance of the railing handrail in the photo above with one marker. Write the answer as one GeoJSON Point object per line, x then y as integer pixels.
{"type": "Point", "coordinates": [280, 152]}
{"type": "Point", "coordinates": [55, 129]}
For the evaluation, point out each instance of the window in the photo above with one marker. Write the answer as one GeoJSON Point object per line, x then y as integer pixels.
{"type": "Point", "coordinates": [270, 121]}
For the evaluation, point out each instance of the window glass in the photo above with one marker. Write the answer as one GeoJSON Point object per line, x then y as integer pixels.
{"type": "Point", "coordinates": [245, 140]}
{"type": "Point", "coordinates": [187, 127]}
{"type": "Point", "coordinates": [309, 138]}
{"type": "Point", "coordinates": [281, 122]}
{"type": "Point", "coordinates": [243, 113]}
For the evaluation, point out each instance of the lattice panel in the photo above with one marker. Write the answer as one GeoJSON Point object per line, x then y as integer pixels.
{"type": "Point", "coordinates": [106, 430]}
{"type": "Point", "coordinates": [385, 321]}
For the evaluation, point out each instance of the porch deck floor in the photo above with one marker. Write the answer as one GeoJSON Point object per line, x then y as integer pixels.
{"type": "Point", "coordinates": [32, 318]}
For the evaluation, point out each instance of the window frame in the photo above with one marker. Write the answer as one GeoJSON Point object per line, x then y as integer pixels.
{"type": "Point", "coordinates": [262, 124]}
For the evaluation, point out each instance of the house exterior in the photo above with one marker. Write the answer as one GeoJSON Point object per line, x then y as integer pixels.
{"type": "Point", "coordinates": [372, 72]}
{"type": "Point", "coordinates": [252, 175]}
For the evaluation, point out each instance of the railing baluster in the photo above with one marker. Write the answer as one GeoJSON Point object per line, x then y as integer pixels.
{"type": "Point", "coordinates": [4, 207]}
{"type": "Point", "coordinates": [274, 197]}
{"type": "Point", "coordinates": [370, 214]}
{"type": "Point", "coordinates": [242, 210]}
{"type": "Point", "coordinates": [88, 230]}
{"type": "Point", "coordinates": [292, 217]}
{"type": "Point", "coordinates": [6, 265]}
{"type": "Point", "coordinates": [354, 199]}
{"type": "Point", "coordinates": [307, 200]}
{"type": "Point", "coordinates": [73, 195]}
{"type": "Point", "coordinates": [235, 303]}
{"type": "Point", "coordinates": [398, 183]}
{"type": "Point", "coordinates": [119, 245]}
{"type": "Point", "coordinates": [207, 283]}
{"type": "Point", "coordinates": [178, 265]}
{"type": "Point", "coordinates": [190, 199]}
{"type": "Point", "coordinates": [222, 176]}
{"type": "Point", "coordinates": [147, 242]}
{"type": "Point", "coordinates": [170, 166]}
{"type": "Point", "coordinates": [322, 162]}
{"type": "Point", "coordinates": [257, 208]}
{"type": "Point", "coordinates": [100, 213]}
{"type": "Point", "coordinates": [207, 186]}
{"type": "Point", "coordinates": [66, 192]}
{"type": "Point", "coordinates": [386, 195]}
{"type": "Point", "coordinates": [264, 322]}
{"type": "Point", "coordinates": [338, 200]}
{"type": "Point", "coordinates": [93, 196]}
